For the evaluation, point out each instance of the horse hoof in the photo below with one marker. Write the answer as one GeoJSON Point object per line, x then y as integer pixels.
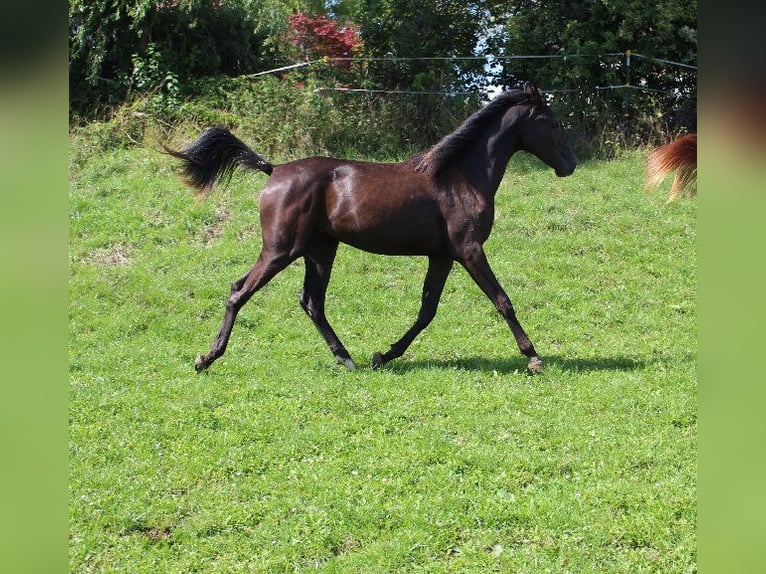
{"type": "Point", "coordinates": [346, 362]}
{"type": "Point", "coordinates": [200, 364]}
{"type": "Point", "coordinates": [377, 361]}
{"type": "Point", "coordinates": [535, 365]}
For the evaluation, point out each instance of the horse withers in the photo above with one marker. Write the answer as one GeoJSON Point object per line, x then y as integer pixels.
{"type": "Point", "coordinates": [438, 204]}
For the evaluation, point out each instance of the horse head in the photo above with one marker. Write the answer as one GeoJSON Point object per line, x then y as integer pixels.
{"type": "Point", "coordinates": [542, 135]}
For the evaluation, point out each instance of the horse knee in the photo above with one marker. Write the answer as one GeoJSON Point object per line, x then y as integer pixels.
{"type": "Point", "coordinates": [236, 300]}
{"type": "Point", "coordinates": [504, 307]}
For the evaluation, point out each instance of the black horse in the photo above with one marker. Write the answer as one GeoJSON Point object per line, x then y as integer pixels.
{"type": "Point", "coordinates": [439, 204]}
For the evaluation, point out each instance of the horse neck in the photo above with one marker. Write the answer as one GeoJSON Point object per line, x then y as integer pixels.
{"type": "Point", "coordinates": [484, 161]}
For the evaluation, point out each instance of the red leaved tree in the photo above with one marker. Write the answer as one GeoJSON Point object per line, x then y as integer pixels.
{"type": "Point", "coordinates": [320, 37]}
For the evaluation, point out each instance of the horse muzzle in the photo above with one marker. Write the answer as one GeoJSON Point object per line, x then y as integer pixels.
{"type": "Point", "coordinates": [563, 172]}
{"type": "Point", "coordinates": [566, 170]}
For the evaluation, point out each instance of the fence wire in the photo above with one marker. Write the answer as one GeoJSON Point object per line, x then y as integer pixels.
{"type": "Point", "coordinates": [490, 59]}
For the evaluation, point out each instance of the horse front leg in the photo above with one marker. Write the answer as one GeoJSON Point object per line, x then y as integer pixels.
{"type": "Point", "coordinates": [436, 277]}
{"type": "Point", "coordinates": [241, 290]}
{"type": "Point", "coordinates": [475, 262]}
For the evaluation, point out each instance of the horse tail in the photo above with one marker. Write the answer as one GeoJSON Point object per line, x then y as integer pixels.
{"type": "Point", "coordinates": [679, 156]}
{"type": "Point", "coordinates": [214, 157]}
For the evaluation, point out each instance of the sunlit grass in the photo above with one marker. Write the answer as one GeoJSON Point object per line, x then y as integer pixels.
{"type": "Point", "coordinates": [450, 459]}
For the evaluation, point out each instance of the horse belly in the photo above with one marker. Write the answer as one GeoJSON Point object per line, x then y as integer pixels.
{"type": "Point", "coordinates": [386, 242]}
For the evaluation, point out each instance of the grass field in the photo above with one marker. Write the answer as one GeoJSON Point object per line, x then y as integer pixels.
{"type": "Point", "coordinates": [450, 459]}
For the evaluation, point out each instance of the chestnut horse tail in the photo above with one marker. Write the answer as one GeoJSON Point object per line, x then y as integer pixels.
{"type": "Point", "coordinates": [214, 157]}
{"type": "Point", "coordinates": [679, 156]}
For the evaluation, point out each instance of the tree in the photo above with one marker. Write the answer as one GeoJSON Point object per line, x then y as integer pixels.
{"type": "Point", "coordinates": [583, 33]}
{"type": "Point", "coordinates": [113, 40]}
{"type": "Point", "coordinates": [422, 29]}
{"type": "Point", "coordinates": [321, 36]}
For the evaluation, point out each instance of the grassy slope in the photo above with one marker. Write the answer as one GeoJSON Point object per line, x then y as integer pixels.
{"type": "Point", "coordinates": [452, 459]}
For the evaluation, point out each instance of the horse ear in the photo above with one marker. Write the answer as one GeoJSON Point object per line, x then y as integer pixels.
{"type": "Point", "coordinates": [531, 89]}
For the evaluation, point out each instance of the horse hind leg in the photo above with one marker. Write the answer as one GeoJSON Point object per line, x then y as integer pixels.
{"type": "Point", "coordinates": [318, 268]}
{"type": "Point", "coordinates": [241, 290]}
{"type": "Point", "coordinates": [436, 277]}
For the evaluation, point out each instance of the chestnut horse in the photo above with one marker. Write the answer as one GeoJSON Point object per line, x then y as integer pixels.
{"type": "Point", "coordinates": [438, 204]}
{"type": "Point", "coordinates": [680, 156]}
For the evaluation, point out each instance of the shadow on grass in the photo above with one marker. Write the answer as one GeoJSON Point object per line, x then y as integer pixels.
{"type": "Point", "coordinates": [519, 364]}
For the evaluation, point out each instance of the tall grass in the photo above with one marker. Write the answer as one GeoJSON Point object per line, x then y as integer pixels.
{"type": "Point", "coordinates": [293, 117]}
{"type": "Point", "coordinates": [286, 118]}
{"type": "Point", "coordinates": [450, 459]}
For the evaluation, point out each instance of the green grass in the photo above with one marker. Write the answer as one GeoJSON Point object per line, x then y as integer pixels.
{"type": "Point", "coordinates": [450, 459]}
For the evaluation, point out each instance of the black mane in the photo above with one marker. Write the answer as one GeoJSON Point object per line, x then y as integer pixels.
{"type": "Point", "coordinates": [437, 158]}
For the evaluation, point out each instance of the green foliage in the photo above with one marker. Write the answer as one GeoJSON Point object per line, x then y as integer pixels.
{"type": "Point", "coordinates": [586, 32]}
{"type": "Point", "coordinates": [449, 460]}
{"type": "Point", "coordinates": [282, 118]}
{"type": "Point", "coordinates": [112, 43]}
{"type": "Point", "coordinates": [159, 86]}
{"type": "Point", "coordinates": [417, 28]}
{"type": "Point", "coordinates": [174, 63]}
{"type": "Point", "coordinates": [286, 119]}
